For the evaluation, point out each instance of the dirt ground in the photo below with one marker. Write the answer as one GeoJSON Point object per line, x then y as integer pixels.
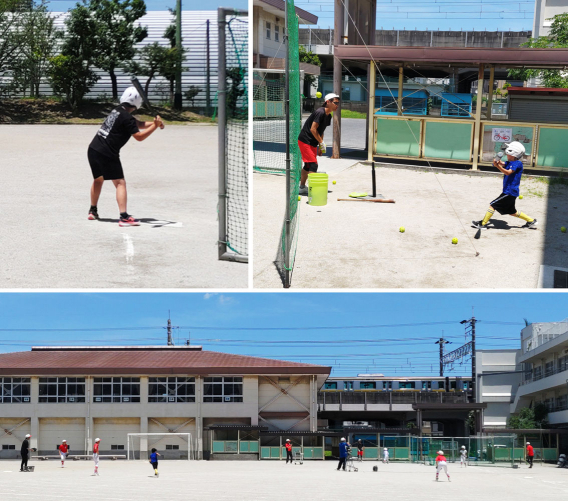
{"type": "Point", "coordinates": [172, 182]}
{"type": "Point", "coordinates": [351, 245]}
{"type": "Point", "coordinates": [51, 111]}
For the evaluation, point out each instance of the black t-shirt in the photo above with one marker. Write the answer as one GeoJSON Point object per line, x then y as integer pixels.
{"type": "Point", "coordinates": [25, 446]}
{"type": "Point", "coordinates": [114, 132]}
{"type": "Point", "coordinates": [319, 116]}
{"type": "Point", "coordinates": [360, 446]}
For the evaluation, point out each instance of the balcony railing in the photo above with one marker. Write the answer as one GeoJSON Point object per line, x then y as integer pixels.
{"type": "Point", "coordinates": [532, 376]}
{"type": "Point", "coordinates": [389, 398]}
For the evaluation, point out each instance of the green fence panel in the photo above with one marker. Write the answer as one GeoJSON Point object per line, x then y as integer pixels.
{"type": "Point", "coordinates": [253, 446]}
{"type": "Point", "coordinates": [493, 143]}
{"type": "Point", "coordinates": [218, 446]}
{"type": "Point", "coordinates": [451, 141]}
{"type": "Point", "coordinates": [398, 137]}
{"type": "Point", "coordinates": [265, 452]}
{"type": "Point", "coordinates": [244, 446]}
{"type": "Point", "coordinates": [400, 453]}
{"type": "Point", "coordinates": [552, 151]}
{"type": "Point", "coordinates": [550, 454]}
{"type": "Point", "coordinates": [503, 454]}
{"type": "Point", "coordinates": [275, 452]}
{"type": "Point", "coordinates": [519, 453]}
{"type": "Point", "coordinates": [371, 452]}
{"type": "Point", "coordinates": [313, 452]}
{"type": "Point", "coordinates": [231, 446]}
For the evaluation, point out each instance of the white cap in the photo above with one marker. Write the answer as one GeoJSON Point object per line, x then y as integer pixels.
{"type": "Point", "coordinates": [329, 96]}
{"type": "Point", "coordinates": [97, 439]}
{"type": "Point", "coordinates": [63, 441]}
{"type": "Point", "coordinates": [528, 443]}
{"type": "Point", "coordinates": [343, 439]}
{"type": "Point", "coordinates": [132, 97]}
{"type": "Point", "coordinates": [440, 452]}
{"type": "Point", "coordinates": [287, 440]}
{"type": "Point", "coordinates": [28, 436]}
{"type": "Point", "coordinates": [515, 149]}
{"type": "Point", "coordinates": [385, 449]}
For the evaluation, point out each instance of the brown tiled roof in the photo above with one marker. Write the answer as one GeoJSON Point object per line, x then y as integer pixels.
{"type": "Point", "coordinates": [142, 362]}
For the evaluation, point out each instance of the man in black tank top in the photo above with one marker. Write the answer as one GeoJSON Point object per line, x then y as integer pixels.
{"type": "Point", "coordinates": [104, 151]}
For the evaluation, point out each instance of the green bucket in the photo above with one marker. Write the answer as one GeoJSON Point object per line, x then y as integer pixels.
{"type": "Point", "coordinates": [317, 191]}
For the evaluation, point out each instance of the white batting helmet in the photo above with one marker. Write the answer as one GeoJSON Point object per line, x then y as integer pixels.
{"type": "Point", "coordinates": [63, 441]}
{"type": "Point", "coordinates": [515, 149]}
{"type": "Point", "coordinates": [132, 97]}
{"type": "Point", "coordinates": [97, 439]}
{"type": "Point", "coordinates": [440, 452]}
{"type": "Point", "coordinates": [28, 436]}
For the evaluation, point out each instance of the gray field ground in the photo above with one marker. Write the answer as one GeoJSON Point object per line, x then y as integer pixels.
{"type": "Point", "coordinates": [358, 245]}
{"type": "Point", "coordinates": [47, 240]}
{"type": "Point", "coordinates": [263, 480]}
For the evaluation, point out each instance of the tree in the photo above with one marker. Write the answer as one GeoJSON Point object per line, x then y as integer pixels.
{"type": "Point", "coordinates": [70, 72]}
{"type": "Point", "coordinates": [39, 42]}
{"type": "Point", "coordinates": [151, 58]}
{"type": "Point", "coordinates": [169, 67]}
{"type": "Point", "coordinates": [307, 56]}
{"type": "Point", "coordinates": [10, 34]}
{"type": "Point", "coordinates": [237, 89]}
{"type": "Point", "coordinates": [117, 34]}
{"type": "Point", "coordinates": [558, 38]}
{"type": "Point", "coordinates": [191, 93]}
{"type": "Point", "coordinates": [470, 422]}
{"type": "Point", "coordinates": [529, 418]}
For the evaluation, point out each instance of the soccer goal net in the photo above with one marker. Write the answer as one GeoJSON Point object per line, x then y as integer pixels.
{"type": "Point", "coordinates": [169, 445]}
{"type": "Point", "coordinates": [233, 135]}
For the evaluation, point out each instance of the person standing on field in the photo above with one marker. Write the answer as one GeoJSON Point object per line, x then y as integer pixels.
{"type": "Point", "coordinates": [104, 151]}
{"type": "Point", "coordinates": [463, 456]}
{"type": "Point", "coordinates": [441, 464]}
{"type": "Point", "coordinates": [530, 454]}
{"type": "Point", "coordinates": [63, 450]}
{"type": "Point", "coordinates": [96, 455]}
{"type": "Point", "coordinates": [310, 140]}
{"type": "Point", "coordinates": [25, 452]}
{"type": "Point", "coordinates": [288, 446]}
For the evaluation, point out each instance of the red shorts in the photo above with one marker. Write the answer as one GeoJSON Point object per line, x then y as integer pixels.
{"type": "Point", "coordinates": [309, 153]}
{"type": "Point", "coordinates": [360, 453]}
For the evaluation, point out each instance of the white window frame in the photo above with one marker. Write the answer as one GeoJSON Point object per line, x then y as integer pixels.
{"type": "Point", "coordinates": [65, 397]}
{"type": "Point", "coordinates": [7, 387]}
{"type": "Point", "coordinates": [123, 398]}
{"type": "Point", "coordinates": [223, 398]}
{"type": "Point", "coordinates": [172, 385]}
{"type": "Point", "coordinates": [268, 30]}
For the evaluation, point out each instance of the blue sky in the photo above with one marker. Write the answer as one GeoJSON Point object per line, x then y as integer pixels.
{"type": "Point", "coordinates": [389, 333]}
{"type": "Point", "coordinates": [455, 15]}
{"type": "Point", "coordinates": [64, 5]}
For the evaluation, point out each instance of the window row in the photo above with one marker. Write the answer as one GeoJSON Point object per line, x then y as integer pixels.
{"type": "Point", "coordinates": [122, 389]}
{"type": "Point", "coordinates": [388, 385]}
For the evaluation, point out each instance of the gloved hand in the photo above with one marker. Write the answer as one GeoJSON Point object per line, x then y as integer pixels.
{"type": "Point", "coordinates": [322, 148]}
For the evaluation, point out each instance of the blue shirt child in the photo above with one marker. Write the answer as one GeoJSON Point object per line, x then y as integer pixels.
{"type": "Point", "coordinates": [512, 182]}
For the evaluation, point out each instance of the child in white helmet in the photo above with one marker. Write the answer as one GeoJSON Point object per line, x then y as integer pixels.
{"type": "Point", "coordinates": [63, 450]}
{"type": "Point", "coordinates": [505, 203]}
{"type": "Point", "coordinates": [104, 151]}
{"type": "Point", "coordinates": [96, 455]}
{"type": "Point", "coordinates": [385, 456]}
{"type": "Point", "coordinates": [441, 464]}
{"type": "Point", "coordinates": [463, 456]}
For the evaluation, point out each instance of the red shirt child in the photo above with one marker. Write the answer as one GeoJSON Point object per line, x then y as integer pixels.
{"type": "Point", "coordinates": [64, 448]}
{"type": "Point", "coordinates": [289, 446]}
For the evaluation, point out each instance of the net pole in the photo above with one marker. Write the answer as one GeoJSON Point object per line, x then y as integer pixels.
{"type": "Point", "coordinates": [287, 114]}
{"type": "Point", "coordinates": [221, 125]}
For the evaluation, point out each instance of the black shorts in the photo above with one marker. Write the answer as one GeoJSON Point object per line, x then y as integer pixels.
{"type": "Point", "coordinates": [504, 204]}
{"type": "Point", "coordinates": [101, 165]}
{"type": "Point", "coordinates": [155, 466]}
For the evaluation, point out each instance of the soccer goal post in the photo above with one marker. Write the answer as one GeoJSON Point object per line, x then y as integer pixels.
{"type": "Point", "coordinates": [169, 445]}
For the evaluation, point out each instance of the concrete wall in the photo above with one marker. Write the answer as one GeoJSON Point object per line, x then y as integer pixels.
{"type": "Point", "coordinates": [545, 10]}
{"type": "Point", "coordinates": [263, 45]}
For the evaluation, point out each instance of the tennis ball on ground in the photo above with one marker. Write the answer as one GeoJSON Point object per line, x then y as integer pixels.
{"type": "Point", "coordinates": [401, 229]}
{"type": "Point", "coordinates": [454, 241]}
{"type": "Point", "coordinates": [520, 197]}
{"type": "Point", "coordinates": [318, 94]}
{"type": "Point", "coordinates": [334, 181]}
{"type": "Point", "coordinates": [563, 229]}
{"type": "Point", "coordinates": [299, 197]}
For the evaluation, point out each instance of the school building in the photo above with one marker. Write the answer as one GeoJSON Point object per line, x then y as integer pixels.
{"type": "Point", "coordinates": [223, 400]}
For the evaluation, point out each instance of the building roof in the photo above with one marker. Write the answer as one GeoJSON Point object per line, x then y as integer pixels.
{"type": "Point", "coordinates": [539, 91]}
{"type": "Point", "coordinates": [470, 56]}
{"type": "Point", "coordinates": [147, 360]}
{"type": "Point", "coordinates": [278, 6]}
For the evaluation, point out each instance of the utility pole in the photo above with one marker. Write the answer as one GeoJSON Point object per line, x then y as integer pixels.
{"type": "Point", "coordinates": [177, 94]}
{"type": "Point", "coordinates": [208, 79]}
{"type": "Point", "coordinates": [442, 342]}
{"type": "Point", "coordinates": [470, 328]}
{"type": "Point", "coordinates": [170, 342]}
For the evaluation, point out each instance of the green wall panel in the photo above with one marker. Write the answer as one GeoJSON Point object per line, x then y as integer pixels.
{"type": "Point", "coordinates": [398, 137]}
{"type": "Point", "coordinates": [451, 141]}
{"type": "Point", "coordinates": [552, 151]}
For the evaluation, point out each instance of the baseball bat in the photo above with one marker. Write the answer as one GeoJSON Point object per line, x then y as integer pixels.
{"type": "Point", "coordinates": [140, 90]}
